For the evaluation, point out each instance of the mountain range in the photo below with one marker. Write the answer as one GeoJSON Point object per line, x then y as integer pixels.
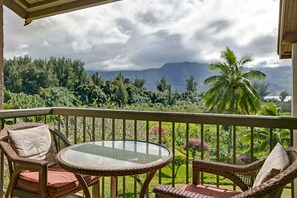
{"type": "Point", "coordinates": [278, 78]}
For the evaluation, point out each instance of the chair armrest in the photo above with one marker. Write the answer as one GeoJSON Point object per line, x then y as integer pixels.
{"type": "Point", "coordinates": [273, 186]}
{"type": "Point", "coordinates": [169, 192]}
{"type": "Point", "coordinates": [241, 175]}
{"type": "Point", "coordinates": [26, 162]}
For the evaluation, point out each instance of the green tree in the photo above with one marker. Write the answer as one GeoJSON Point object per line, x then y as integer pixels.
{"type": "Point", "coordinates": [231, 91]}
{"type": "Point", "coordinates": [58, 97]}
{"type": "Point", "coordinates": [283, 95]}
{"type": "Point", "coordinates": [90, 94]}
{"type": "Point", "coordinates": [22, 74]}
{"type": "Point", "coordinates": [191, 84]}
{"type": "Point", "coordinates": [139, 83]}
{"type": "Point", "coordinates": [162, 85]}
{"type": "Point", "coordinates": [97, 80]}
{"type": "Point", "coordinates": [262, 89]}
{"type": "Point", "coordinates": [121, 93]}
{"type": "Point", "coordinates": [23, 101]}
{"type": "Point", "coordinates": [70, 73]}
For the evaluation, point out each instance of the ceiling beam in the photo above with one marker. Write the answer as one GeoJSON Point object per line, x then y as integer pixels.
{"type": "Point", "coordinates": [72, 6]}
{"type": "Point", "coordinates": [44, 4]}
{"type": "Point", "coordinates": [281, 27]}
{"type": "Point", "coordinates": [24, 4]}
{"type": "Point", "coordinates": [290, 37]}
{"type": "Point", "coordinates": [16, 8]}
{"type": "Point", "coordinates": [41, 3]}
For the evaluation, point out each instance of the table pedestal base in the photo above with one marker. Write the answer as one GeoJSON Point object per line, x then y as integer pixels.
{"type": "Point", "coordinates": [113, 186]}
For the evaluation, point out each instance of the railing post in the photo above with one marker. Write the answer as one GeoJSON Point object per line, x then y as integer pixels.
{"type": "Point", "coordinates": [294, 101]}
{"type": "Point", "coordinates": [1, 164]}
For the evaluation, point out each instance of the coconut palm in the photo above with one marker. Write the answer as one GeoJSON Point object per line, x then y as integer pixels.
{"type": "Point", "coordinates": [231, 91]}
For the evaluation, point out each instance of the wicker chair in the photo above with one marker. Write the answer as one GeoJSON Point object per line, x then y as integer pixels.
{"type": "Point", "coordinates": [33, 178]}
{"type": "Point", "coordinates": [243, 176]}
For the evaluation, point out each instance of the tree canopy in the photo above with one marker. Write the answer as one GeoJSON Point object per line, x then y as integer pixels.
{"type": "Point", "coordinates": [231, 91]}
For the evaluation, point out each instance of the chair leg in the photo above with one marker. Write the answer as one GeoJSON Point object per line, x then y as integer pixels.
{"type": "Point", "coordinates": [96, 190]}
{"type": "Point", "coordinates": [13, 181]}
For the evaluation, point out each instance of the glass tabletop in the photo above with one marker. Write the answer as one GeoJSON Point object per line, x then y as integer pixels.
{"type": "Point", "coordinates": [115, 155]}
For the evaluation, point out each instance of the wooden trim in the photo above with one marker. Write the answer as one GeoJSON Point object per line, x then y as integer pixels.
{"type": "Point", "coordinates": [24, 112]}
{"type": "Point", "coordinates": [42, 3]}
{"type": "Point", "coordinates": [24, 4]}
{"type": "Point", "coordinates": [198, 118]}
{"type": "Point", "coordinates": [287, 29]}
{"type": "Point", "coordinates": [16, 8]}
{"type": "Point", "coordinates": [68, 7]}
{"type": "Point", "coordinates": [290, 37]}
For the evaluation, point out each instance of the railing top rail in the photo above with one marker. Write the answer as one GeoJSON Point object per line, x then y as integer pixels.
{"type": "Point", "coordinates": [16, 113]}
{"type": "Point", "coordinates": [198, 118]}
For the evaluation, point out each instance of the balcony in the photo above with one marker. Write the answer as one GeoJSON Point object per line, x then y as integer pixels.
{"type": "Point", "coordinates": [233, 139]}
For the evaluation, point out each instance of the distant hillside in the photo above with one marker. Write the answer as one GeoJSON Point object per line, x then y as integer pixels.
{"type": "Point", "coordinates": [278, 78]}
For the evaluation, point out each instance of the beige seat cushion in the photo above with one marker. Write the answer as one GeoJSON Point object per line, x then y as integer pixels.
{"type": "Point", "coordinates": [276, 162]}
{"type": "Point", "coordinates": [33, 143]}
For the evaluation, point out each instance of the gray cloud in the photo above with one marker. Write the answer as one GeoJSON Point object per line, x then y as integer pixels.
{"type": "Point", "coordinates": [148, 18]}
{"type": "Point", "coordinates": [126, 26]}
{"type": "Point", "coordinates": [218, 26]}
{"type": "Point", "coordinates": [160, 48]}
{"type": "Point", "coordinates": [137, 34]}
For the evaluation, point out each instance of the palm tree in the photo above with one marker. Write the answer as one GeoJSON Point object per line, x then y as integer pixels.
{"type": "Point", "coordinates": [231, 91]}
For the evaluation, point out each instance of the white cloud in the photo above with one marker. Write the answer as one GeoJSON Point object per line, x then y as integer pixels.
{"type": "Point", "coordinates": [138, 34]}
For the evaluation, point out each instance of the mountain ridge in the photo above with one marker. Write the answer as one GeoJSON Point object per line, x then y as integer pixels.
{"type": "Point", "coordinates": [177, 73]}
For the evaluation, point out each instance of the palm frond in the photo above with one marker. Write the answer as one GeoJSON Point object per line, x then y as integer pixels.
{"type": "Point", "coordinates": [213, 79]}
{"type": "Point", "coordinates": [254, 74]}
{"type": "Point", "coordinates": [244, 60]}
{"type": "Point", "coordinates": [229, 56]}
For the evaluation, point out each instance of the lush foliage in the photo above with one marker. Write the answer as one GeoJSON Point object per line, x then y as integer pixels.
{"type": "Point", "coordinates": [64, 82]}
{"type": "Point", "coordinates": [231, 91]}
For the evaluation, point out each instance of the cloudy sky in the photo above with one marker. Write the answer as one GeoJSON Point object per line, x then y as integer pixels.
{"type": "Point", "coordinates": [141, 34]}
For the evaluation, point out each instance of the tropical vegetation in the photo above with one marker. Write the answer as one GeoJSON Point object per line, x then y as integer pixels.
{"type": "Point", "coordinates": [231, 91]}
{"type": "Point", "coordinates": [64, 82]}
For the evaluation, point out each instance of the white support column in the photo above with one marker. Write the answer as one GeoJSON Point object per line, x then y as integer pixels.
{"type": "Point", "coordinates": [1, 56]}
{"type": "Point", "coordinates": [294, 100]}
{"type": "Point", "coordinates": [294, 85]}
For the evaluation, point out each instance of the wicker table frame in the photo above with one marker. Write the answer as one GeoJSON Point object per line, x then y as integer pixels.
{"type": "Point", "coordinates": [114, 173]}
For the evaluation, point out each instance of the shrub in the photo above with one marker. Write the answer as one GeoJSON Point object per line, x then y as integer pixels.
{"type": "Point", "coordinates": [195, 145]}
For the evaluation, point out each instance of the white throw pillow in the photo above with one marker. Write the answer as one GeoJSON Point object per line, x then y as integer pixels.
{"type": "Point", "coordinates": [33, 143]}
{"type": "Point", "coordinates": [276, 162]}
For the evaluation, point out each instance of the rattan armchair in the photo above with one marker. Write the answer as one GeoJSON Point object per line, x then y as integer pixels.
{"type": "Point", "coordinates": [44, 184]}
{"type": "Point", "coordinates": [242, 175]}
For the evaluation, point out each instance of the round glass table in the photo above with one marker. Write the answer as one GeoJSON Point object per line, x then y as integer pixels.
{"type": "Point", "coordinates": [114, 158]}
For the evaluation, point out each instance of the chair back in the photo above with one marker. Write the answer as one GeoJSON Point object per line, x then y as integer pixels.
{"type": "Point", "coordinates": [273, 187]}
{"type": "Point", "coordinates": [59, 141]}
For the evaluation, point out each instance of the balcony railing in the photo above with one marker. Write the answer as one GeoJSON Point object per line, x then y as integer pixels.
{"type": "Point", "coordinates": [232, 138]}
